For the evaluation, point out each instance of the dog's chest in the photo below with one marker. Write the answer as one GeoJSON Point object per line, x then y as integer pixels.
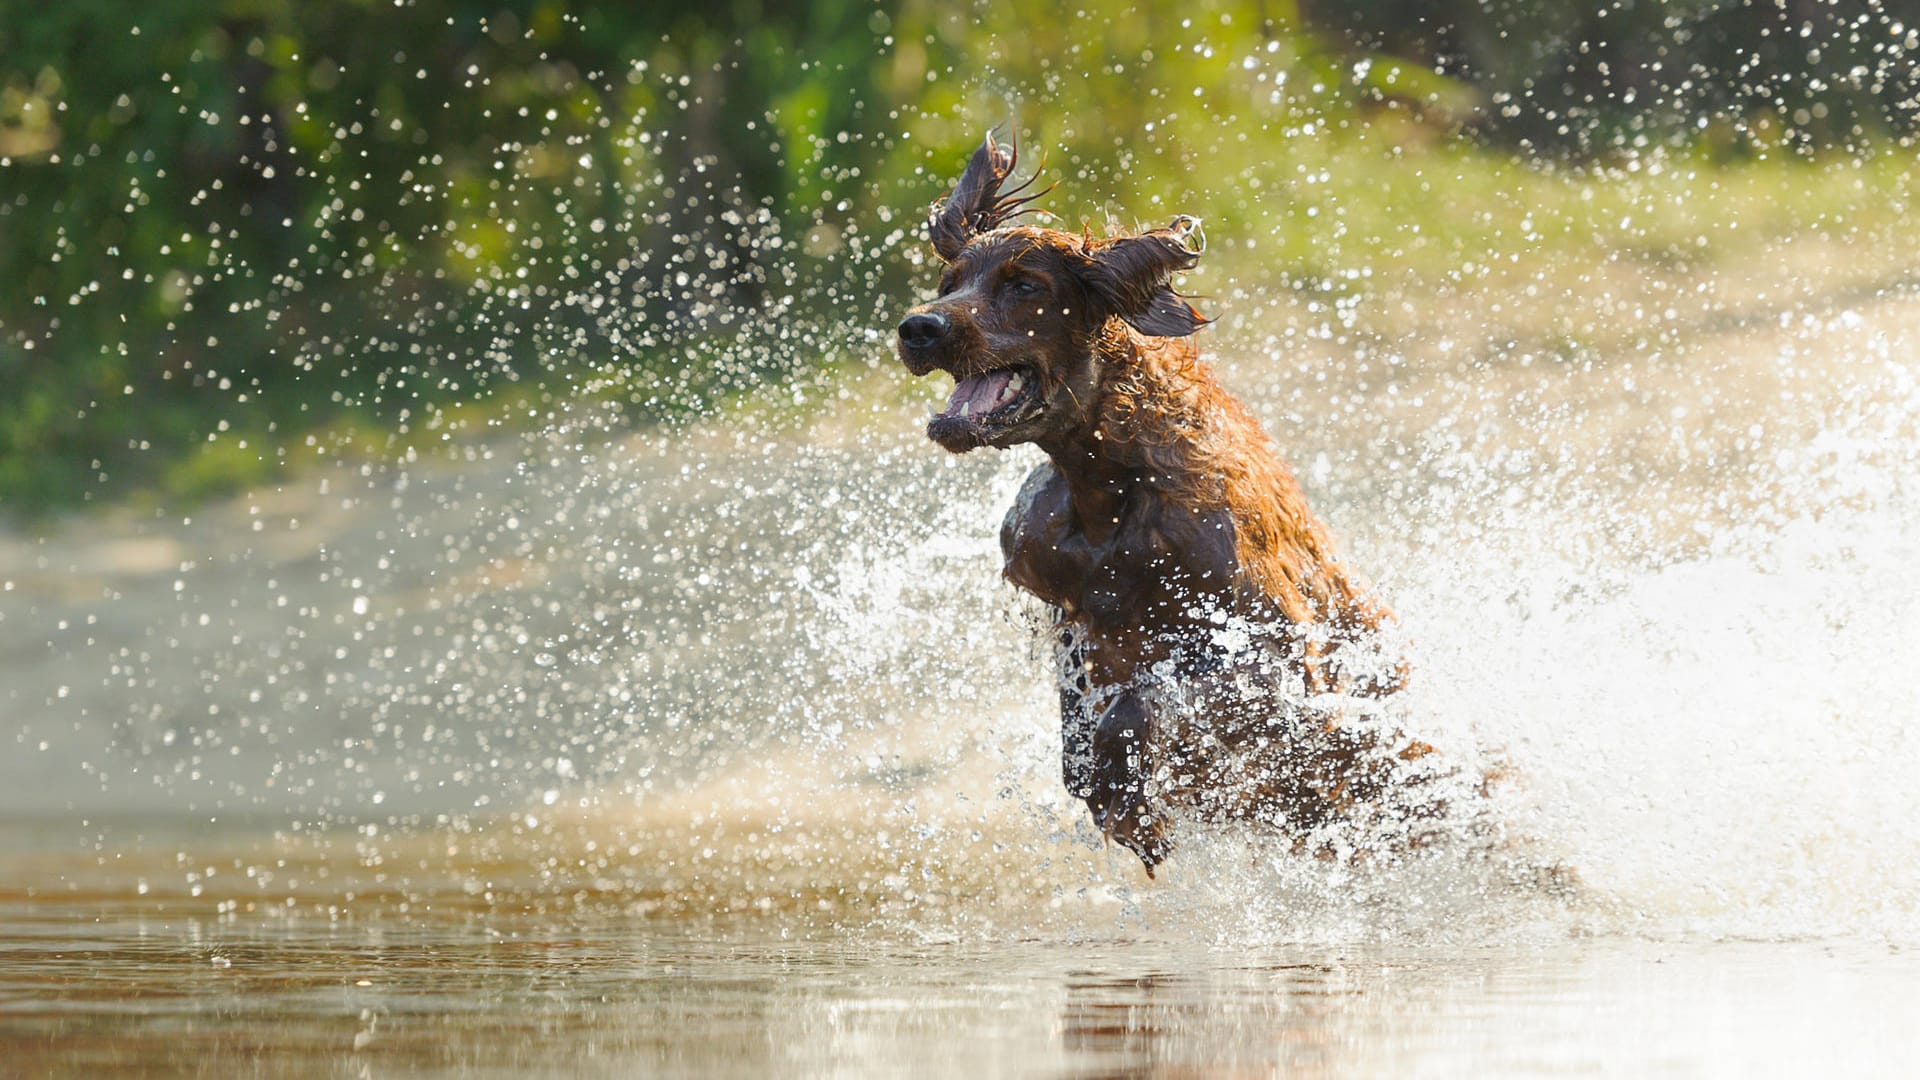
{"type": "Point", "coordinates": [1159, 565]}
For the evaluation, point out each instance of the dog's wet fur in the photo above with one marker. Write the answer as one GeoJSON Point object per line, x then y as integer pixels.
{"type": "Point", "coordinates": [1216, 658]}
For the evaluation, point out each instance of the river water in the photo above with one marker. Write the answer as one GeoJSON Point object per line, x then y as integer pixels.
{"type": "Point", "coordinates": [720, 748]}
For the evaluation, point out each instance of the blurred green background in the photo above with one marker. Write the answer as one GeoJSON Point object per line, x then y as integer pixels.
{"type": "Point", "coordinates": [239, 232]}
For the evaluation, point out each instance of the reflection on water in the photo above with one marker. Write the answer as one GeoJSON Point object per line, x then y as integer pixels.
{"type": "Point", "coordinates": [372, 961]}
{"type": "Point", "coordinates": [95, 985]}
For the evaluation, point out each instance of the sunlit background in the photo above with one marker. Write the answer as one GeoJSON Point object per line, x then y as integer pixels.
{"type": "Point", "coordinates": [475, 598]}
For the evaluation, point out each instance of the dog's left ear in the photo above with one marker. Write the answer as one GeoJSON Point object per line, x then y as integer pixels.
{"type": "Point", "coordinates": [1131, 276]}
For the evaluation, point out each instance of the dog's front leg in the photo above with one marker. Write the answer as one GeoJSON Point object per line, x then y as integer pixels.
{"type": "Point", "coordinates": [1119, 779]}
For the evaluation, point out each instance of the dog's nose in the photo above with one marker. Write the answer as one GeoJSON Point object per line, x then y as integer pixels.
{"type": "Point", "coordinates": [922, 330]}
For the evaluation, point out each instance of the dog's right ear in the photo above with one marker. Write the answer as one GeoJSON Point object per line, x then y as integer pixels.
{"type": "Point", "coordinates": [976, 205]}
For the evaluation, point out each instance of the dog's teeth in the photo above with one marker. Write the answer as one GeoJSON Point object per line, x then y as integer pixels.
{"type": "Point", "coordinates": [966, 408]}
{"type": "Point", "coordinates": [1014, 384]}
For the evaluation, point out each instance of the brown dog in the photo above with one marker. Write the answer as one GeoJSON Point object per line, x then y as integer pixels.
{"type": "Point", "coordinates": [1216, 659]}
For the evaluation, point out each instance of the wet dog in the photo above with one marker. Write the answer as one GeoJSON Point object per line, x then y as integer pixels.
{"type": "Point", "coordinates": [1216, 658]}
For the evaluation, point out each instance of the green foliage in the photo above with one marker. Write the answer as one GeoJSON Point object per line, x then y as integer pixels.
{"type": "Point", "coordinates": [270, 217]}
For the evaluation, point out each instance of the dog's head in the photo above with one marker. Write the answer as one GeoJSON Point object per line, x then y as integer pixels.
{"type": "Point", "coordinates": [1020, 308]}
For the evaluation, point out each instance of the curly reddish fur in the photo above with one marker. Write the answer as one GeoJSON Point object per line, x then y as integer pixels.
{"type": "Point", "coordinates": [1163, 412]}
{"type": "Point", "coordinates": [1162, 512]}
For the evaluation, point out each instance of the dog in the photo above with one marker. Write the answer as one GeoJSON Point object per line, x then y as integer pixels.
{"type": "Point", "coordinates": [1216, 658]}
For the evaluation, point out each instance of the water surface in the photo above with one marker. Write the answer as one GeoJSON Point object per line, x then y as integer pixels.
{"type": "Point", "coordinates": [96, 981]}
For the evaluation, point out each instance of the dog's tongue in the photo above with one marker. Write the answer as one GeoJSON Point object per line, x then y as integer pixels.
{"type": "Point", "coordinates": [978, 394]}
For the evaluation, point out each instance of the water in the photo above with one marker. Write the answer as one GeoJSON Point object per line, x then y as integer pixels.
{"type": "Point", "coordinates": [515, 995]}
{"type": "Point", "coordinates": [719, 748]}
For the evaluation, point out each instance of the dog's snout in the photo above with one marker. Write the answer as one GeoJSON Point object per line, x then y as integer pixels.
{"type": "Point", "coordinates": [920, 331]}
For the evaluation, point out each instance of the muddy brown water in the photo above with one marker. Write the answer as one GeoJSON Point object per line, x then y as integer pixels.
{"type": "Point", "coordinates": [100, 987]}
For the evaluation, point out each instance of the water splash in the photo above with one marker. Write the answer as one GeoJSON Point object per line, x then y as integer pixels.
{"type": "Point", "coordinates": [781, 675]}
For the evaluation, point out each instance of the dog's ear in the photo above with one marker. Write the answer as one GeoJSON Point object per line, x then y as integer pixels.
{"type": "Point", "coordinates": [977, 205]}
{"type": "Point", "coordinates": [1130, 275]}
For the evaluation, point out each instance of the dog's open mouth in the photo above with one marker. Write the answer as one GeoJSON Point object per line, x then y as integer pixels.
{"type": "Point", "coordinates": [989, 409]}
{"type": "Point", "coordinates": [993, 397]}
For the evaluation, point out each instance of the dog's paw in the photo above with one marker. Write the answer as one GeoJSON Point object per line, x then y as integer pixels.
{"type": "Point", "coordinates": [1130, 820]}
{"type": "Point", "coordinates": [1118, 798]}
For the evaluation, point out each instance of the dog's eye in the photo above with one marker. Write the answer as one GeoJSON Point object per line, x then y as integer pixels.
{"type": "Point", "coordinates": [1023, 287]}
